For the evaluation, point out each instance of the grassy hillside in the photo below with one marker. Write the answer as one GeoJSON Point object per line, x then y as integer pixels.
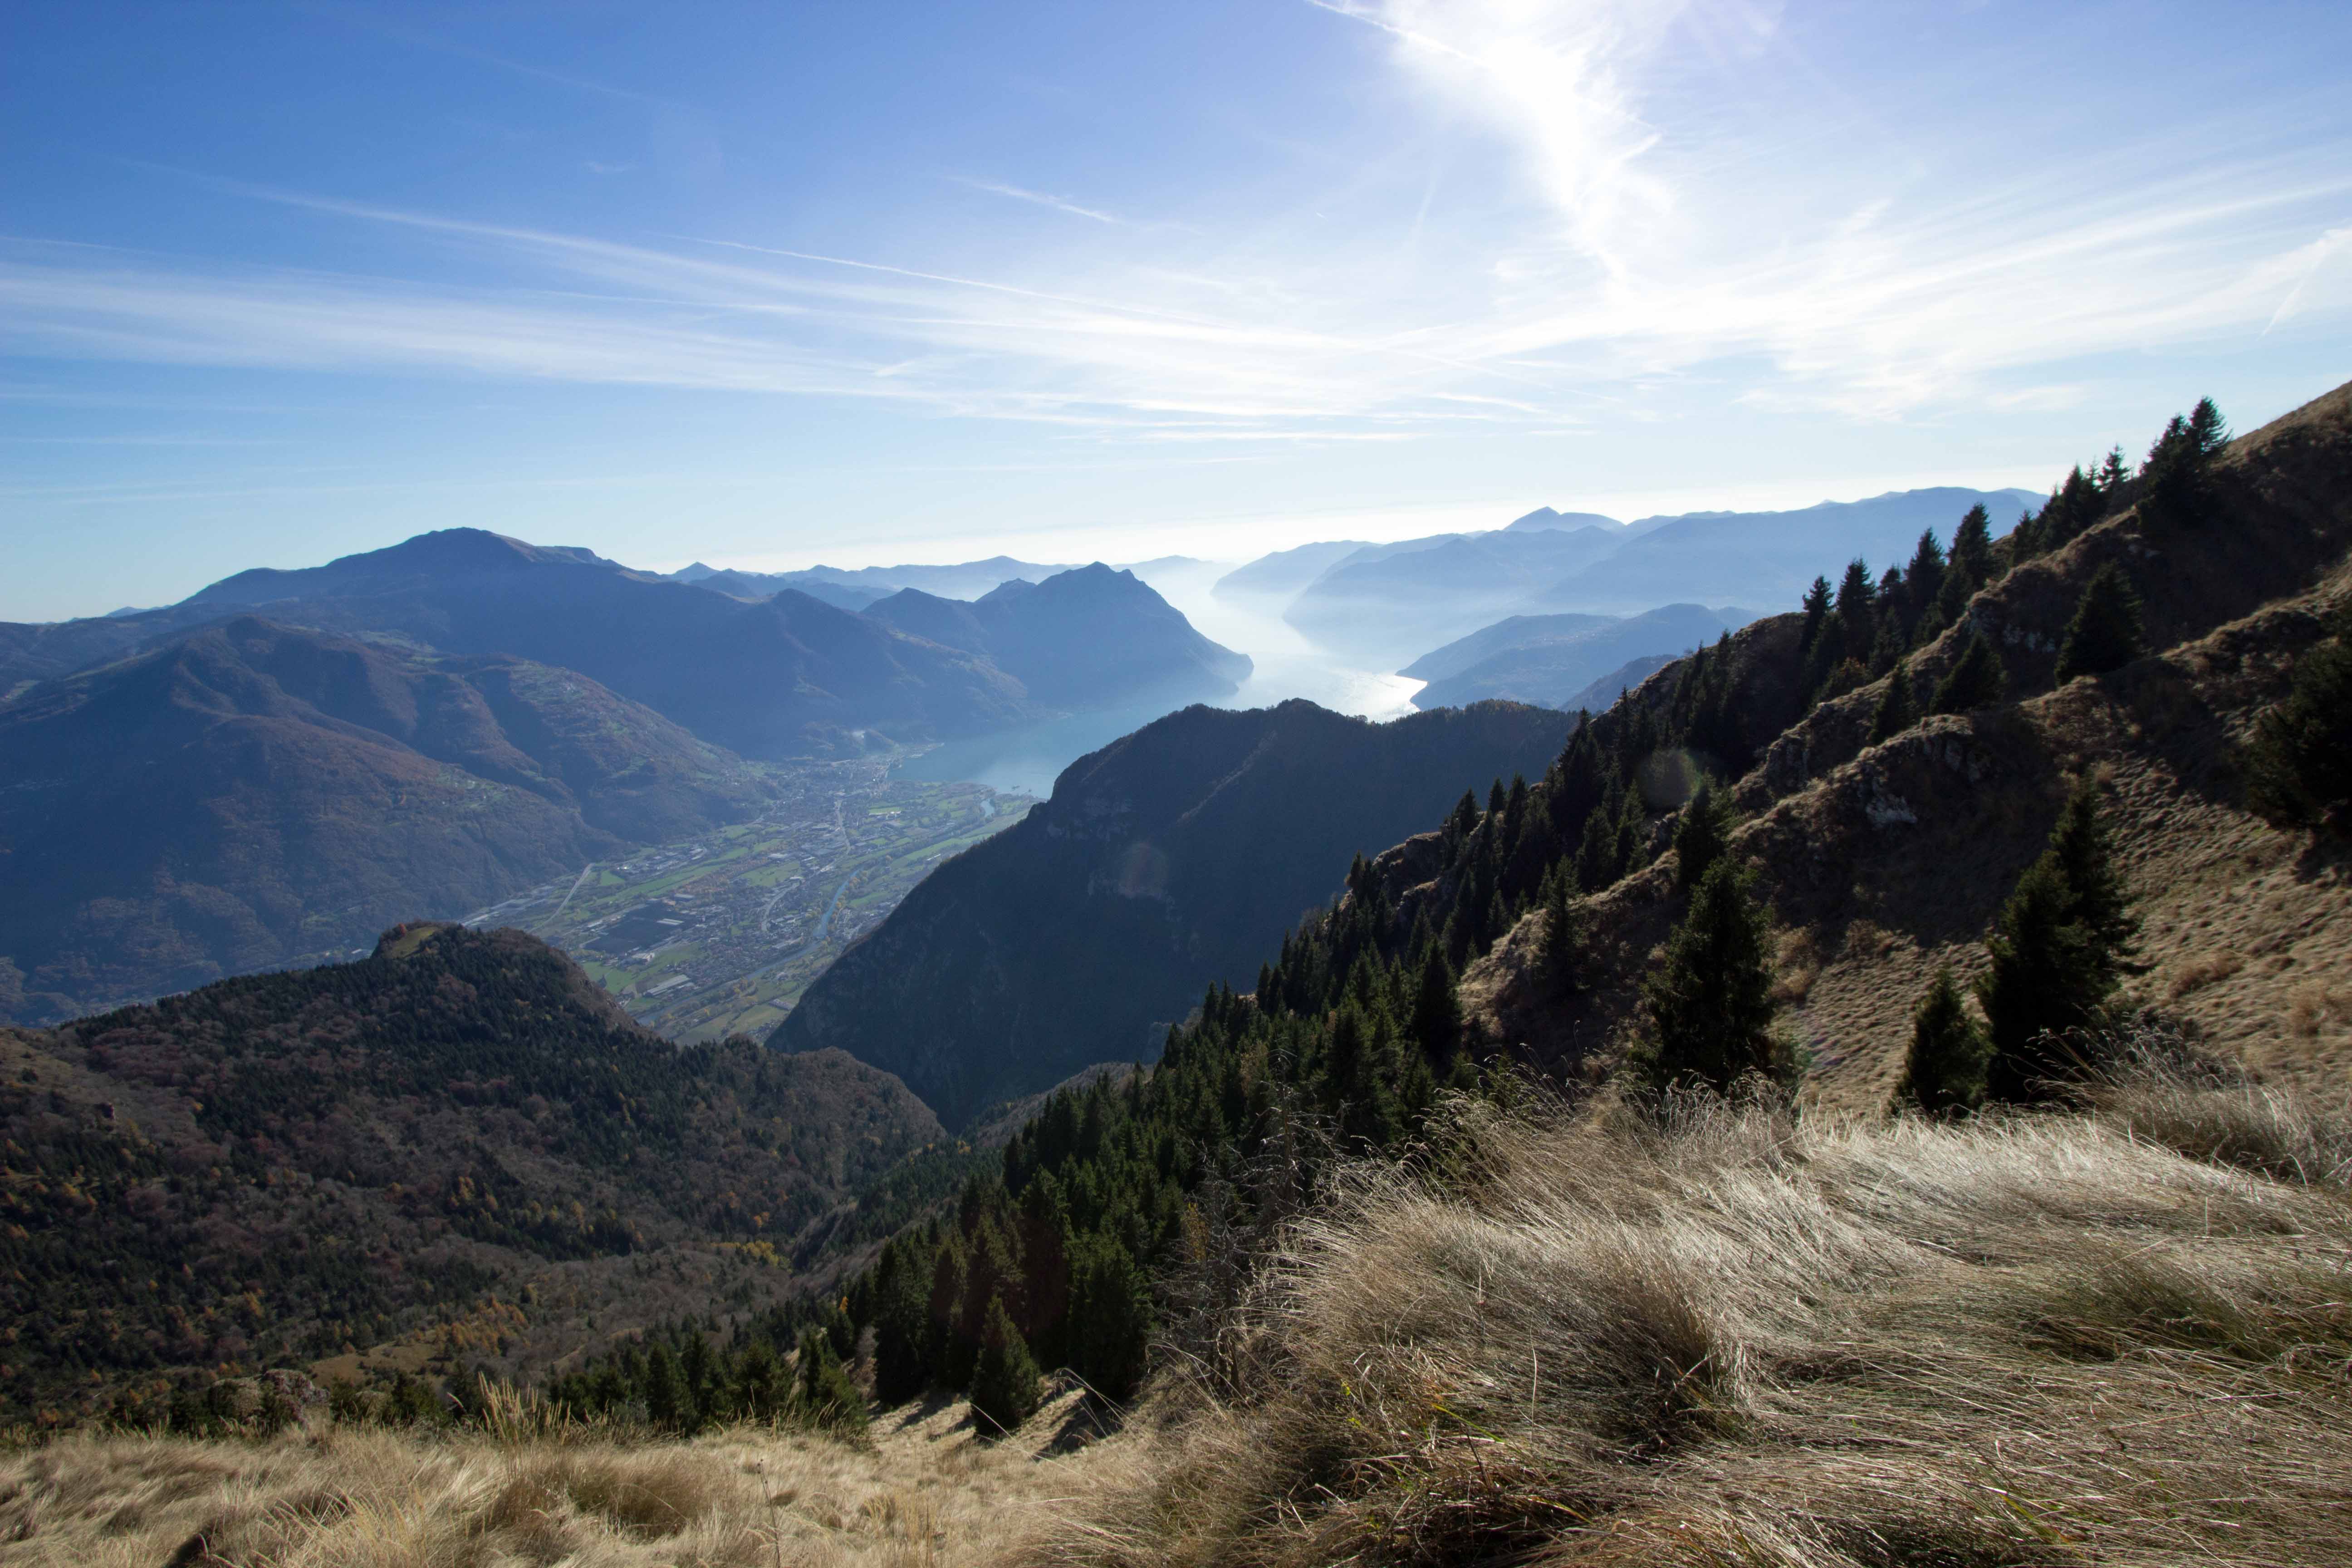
{"type": "Point", "coordinates": [1734, 1336]}
{"type": "Point", "coordinates": [457, 1144]}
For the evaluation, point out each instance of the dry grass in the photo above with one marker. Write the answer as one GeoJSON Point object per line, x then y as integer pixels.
{"type": "Point", "coordinates": [1737, 1337]}
{"type": "Point", "coordinates": [923, 1493]}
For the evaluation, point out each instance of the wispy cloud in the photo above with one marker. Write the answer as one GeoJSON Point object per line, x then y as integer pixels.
{"type": "Point", "coordinates": [1630, 242]}
{"type": "Point", "coordinates": [1034, 198]}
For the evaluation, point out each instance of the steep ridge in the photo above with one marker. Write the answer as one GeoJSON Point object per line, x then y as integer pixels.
{"type": "Point", "coordinates": [1176, 856]}
{"type": "Point", "coordinates": [1090, 638]}
{"type": "Point", "coordinates": [254, 793]}
{"type": "Point", "coordinates": [455, 1146]}
{"type": "Point", "coordinates": [1881, 863]}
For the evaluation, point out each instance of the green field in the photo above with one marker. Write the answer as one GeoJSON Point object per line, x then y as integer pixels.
{"type": "Point", "coordinates": [721, 934]}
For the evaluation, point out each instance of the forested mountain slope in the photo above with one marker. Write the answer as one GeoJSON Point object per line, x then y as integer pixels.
{"type": "Point", "coordinates": [1882, 862]}
{"type": "Point", "coordinates": [1609, 926]}
{"type": "Point", "coordinates": [1176, 856]}
{"type": "Point", "coordinates": [253, 793]}
{"type": "Point", "coordinates": [460, 1133]}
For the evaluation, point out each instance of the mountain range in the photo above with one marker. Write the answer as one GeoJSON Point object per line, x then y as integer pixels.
{"type": "Point", "coordinates": [1176, 856]}
{"type": "Point", "coordinates": [1385, 604]}
{"type": "Point", "coordinates": [1552, 660]}
{"type": "Point", "coordinates": [289, 760]}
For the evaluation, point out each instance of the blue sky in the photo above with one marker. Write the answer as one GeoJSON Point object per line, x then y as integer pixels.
{"type": "Point", "coordinates": [779, 284]}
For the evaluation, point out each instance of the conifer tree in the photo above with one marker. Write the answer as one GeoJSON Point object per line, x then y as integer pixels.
{"type": "Point", "coordinates": [665, 1401]}
{"type": "Point", "coordinates": [1436, 1010]}
{"type": "Point", "coordinates": [1857, 610]}
{"type": "Point", "coordinates": [1974, 682]}
{"type": "Point", "coordinates": [1967, 568]}
{"type": "Point", "coordinates": [1701, 835]}
{"type": "Point", "coordinates": [760, 1389]}
{"type": "Point", "coordinates": [2299, 765]}
{"type": "Point", "coordinates": [1712, 997]}
{"type": "Point", "coordinates": [1625, 854]}
{"type": "Point", "coordinates": [2060, 947]}
{"type": "Point", "coordinates": [1923, 580]}
{"type": "Point", "coordinates": [1949, 1052]}
{"type": "Point", "coordinates": [1110, 1314]}
{"type": "Point", "coordinates": [1005, 1391]}
{"type": "Point", "coordinates": [2104, 632]}
{"type": "Point", "coordinates": [2114, 473]}
{"type": "Point", "coordinates": [1595, 852]}
{"type": "Point", "coordinates": [1817, 608]}
{"type": "Point", "coordinates": [1566, 926]}
{"type": "Point", "coordinates": [1899, 710]}
{"type": "Point", "coordinates": [822, 1394]}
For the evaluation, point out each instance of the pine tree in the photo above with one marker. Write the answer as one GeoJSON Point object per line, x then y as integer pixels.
{"type": "Point", "coordinates": [2207, 433]}
{"type": "Point", "coordinates": [1712, 997]}
{"type": "Point", "coordinates": [1969, 566]}
{"type": "Point", "coordinates": [2044, 980]}
{"type": "Point", "coordinates": [1110, 1313]}
{"type": "Point", "coordinates": [1596, 851]}
{"type": "Point", "coordinates": [1567, 928]}
{"type": "Point", "coordinates": [760, 1389]}
{"type": "Point", "coordinates": [1976, 681]}
{"type": "Point", "coordinates": [1899, 710]}
{"type": "Point", "coordinates": [1701, 835]}
{"type": "Point", "coordinates": [2299, 765]}
{"type": "Point", "coordinates": [1436, 1009]}
{"type": "Point", "coordinates": [2061, 943]}
{"type": "Point", "coordinates": [1923, 580]}
{"type": "Point", "coordinates": [2104, 634]}
{"type": "Point", "coordinates": [2114, 473]}
{"type": "Point", "coordinates": [1949, 1052]}
{"type": "Point", "coordinates": [1817, 608]}
{"type": "Point", "coordinates": [1857, 610]}
{"type": "Point", "coordinates": [822, 1394]}
{"type": "Point", "coordinates": [1005, 1391]}
{"type": "Point", "coordinates": [2176, 470]}
{"type": "Point", "coordinates": [666, 1398]}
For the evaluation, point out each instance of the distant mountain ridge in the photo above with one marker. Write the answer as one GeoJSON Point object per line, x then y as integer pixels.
{"type": "Point", "coordinates": [1174, 857]}
{"type": "Point", "coordinates": [1086, 637]}
{"type": "Point", "coordinates": [1551, 660]}
{"type": "Point", "coordinates": [1388, 603]}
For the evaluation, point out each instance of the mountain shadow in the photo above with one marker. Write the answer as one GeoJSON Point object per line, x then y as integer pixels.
{"type": "Point", "coordinates": [1176, 856]}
